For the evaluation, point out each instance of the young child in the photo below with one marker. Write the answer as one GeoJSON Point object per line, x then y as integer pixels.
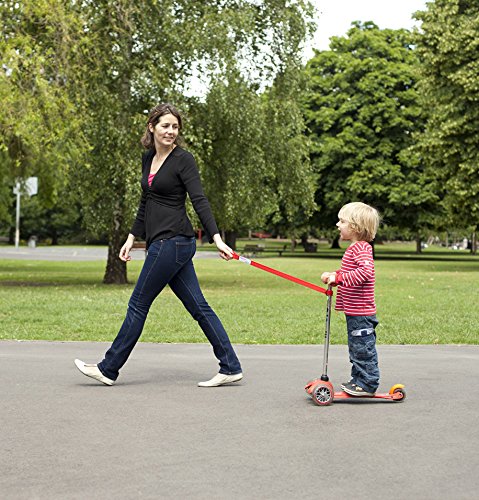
{"type": "Point", "coordinates": [358, 223]}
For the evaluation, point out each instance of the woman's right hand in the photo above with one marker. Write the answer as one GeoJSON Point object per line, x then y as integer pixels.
{"type": "Point", "coordinates": [125, 249]}
{"type": "Point", "coordinates": [225, 251]}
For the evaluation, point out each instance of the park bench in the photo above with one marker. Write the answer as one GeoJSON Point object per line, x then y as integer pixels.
{"type": "Point", "coordinates": [139, 245]}
{"type": "Point", "coordinates": [254, 250]}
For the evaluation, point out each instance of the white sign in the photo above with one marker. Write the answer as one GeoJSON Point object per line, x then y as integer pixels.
{"type": "Point", "coordinates": [30, 187]}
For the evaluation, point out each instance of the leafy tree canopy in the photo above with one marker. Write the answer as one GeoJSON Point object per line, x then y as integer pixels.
{"type": "Point", "coordinates": [40, 130]}
{"type": "Point", "coordinates": [362, 110]}
{"type": "Point", "coordinates": [448, 46]}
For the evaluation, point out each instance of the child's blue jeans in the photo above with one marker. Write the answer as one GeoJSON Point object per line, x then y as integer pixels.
{"type": "Point", "coordinates": [362, 351]}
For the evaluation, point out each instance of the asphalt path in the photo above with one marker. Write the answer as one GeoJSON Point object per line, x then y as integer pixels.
{"type": "Point", "coordinates": [73, 253]}
{"type": "Point", "coordinates": [155, 434]}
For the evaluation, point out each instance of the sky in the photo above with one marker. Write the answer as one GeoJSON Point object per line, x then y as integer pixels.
{"type": "Point", "coordinates": [334, 17]}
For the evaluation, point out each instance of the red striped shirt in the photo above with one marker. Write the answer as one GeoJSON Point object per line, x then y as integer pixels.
{"type": "Point", "coordinates": [356, 280]}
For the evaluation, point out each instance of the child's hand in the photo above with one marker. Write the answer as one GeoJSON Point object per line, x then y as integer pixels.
{"type": "Point", "coordinates": [329, 278]}
{"type": "Point", "coordinates": [332, 279]}
{"type": "Point", "coordinates": [325, 278]}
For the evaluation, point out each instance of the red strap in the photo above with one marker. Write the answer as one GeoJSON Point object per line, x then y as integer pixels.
{"type": "Point", "coordinates": [299, 281]}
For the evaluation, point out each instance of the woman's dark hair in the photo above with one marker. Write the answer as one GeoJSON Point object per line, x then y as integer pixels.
{"type": "Point", "coordinates": [154, 117]}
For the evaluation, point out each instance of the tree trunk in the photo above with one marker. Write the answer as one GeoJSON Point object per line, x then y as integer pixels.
{"type": "Point", "coordinates": [418, 244]}
{"type": "Point", "coordinates": [335, 243]}
{"type": "Point", "coordinates": [304, 240]}
{"type": "Point", "coordinates": [230, 239]}
{"type": "Point", "coordinates": [474, 243]}
{"type": "Point", "coordinates": [54, 237]}
{"type": "Point", "coordinates": [115, 272]}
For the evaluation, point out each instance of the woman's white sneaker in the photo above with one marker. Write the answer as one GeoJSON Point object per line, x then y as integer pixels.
{"type": "Point", "coordinates": [221, 379]}
{"type": "Point", "coordinates": [93, 372]}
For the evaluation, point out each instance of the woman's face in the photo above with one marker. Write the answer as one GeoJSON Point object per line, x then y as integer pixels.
{"type": "Point", "coordinates": [165, 131]}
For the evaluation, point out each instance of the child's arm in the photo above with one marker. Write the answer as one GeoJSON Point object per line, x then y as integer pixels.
{"type": "Point", "coordinates": [364, 271]}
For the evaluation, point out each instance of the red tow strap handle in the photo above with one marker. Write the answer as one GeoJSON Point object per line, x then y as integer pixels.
{"type": "Point", "coordinates": [285, 276]}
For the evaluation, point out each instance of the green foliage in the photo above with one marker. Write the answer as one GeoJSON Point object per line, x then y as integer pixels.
{"type": "Point", "coordinates": [286, 149]}
{"type": "Point", "coordinates": [140, 53]}
{"type": "Point", "coordinates": [93, 69]}
{"type": "Point", "coordinates": [254, 155]}
{"type": "Point", "coordinates": [254, 160]}
{"type": "Point", "coordinates": [60, 222]}
{"type": "Point", "coordinates": [448, 46]}
{"type": "Point", "coordinates": [40, 133]}
{"type": "Point", "coordinates": [237, 180]}
{"type": "Point", "coordinates": [362, 111]}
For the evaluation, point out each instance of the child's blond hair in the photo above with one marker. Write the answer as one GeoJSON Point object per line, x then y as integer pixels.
{"type": "Point", "coordinates": [363, 219]}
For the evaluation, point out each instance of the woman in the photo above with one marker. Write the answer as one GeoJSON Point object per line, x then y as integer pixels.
{"type": "Point", "coordinates": [169, 173]}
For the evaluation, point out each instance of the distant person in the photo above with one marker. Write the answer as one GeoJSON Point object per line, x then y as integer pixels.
{"type": "Point", "coordinates": [169, 173]}
{"type": "Point", "coordinates": [358, 223]}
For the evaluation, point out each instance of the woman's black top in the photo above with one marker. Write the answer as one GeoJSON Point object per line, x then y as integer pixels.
{"type": "Point", "coordinates": [162, 210]}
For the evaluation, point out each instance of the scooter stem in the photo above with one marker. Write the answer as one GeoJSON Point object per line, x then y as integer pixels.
{"type": "Point", "coordinates": [327, 334]}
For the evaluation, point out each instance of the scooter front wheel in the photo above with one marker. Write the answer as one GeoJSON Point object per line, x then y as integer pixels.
{"type": "Point", "coordinates": [323, 394]}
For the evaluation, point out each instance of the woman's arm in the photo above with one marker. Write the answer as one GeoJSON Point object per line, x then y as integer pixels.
{"type": "Point", "coordinates": [192, 182]}
{"type": "Point", "coordinates": [138, 228]}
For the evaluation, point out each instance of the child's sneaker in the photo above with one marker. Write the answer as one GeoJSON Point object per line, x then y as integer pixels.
{"type": "Point", "coordinates": [344, 384]}
{"type": "Point", "coordinates": [356, 390]}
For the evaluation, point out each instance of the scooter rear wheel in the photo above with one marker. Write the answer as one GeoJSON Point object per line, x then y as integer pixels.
{"type": "Point", "coordinates": [398, 388]}
{"type": "Point", "coordinates": [402, 391]}
{"type": "Point", "coordinates": [323, 394]}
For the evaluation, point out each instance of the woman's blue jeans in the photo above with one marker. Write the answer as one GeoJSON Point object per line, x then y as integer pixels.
{"type": "Point", "coordinates": [169, 262]}
{"type": "Point", "coordinates": [362, 351]}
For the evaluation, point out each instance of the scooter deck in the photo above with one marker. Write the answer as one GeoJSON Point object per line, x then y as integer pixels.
{"type": "Point", "coordinates": [379, 395]}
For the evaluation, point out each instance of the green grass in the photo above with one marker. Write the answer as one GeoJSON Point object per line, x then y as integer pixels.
{"type": "Point", "coordinates": [420, 301]}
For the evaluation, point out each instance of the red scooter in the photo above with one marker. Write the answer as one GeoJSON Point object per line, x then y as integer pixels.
{"type": "Point", "coordinates": [321, 389]}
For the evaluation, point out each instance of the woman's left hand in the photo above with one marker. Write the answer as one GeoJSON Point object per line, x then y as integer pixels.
{"type": "Point", "coordinates": [225, 251]}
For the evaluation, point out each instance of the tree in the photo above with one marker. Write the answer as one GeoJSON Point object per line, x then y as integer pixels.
{"type": "Point", "coordinates": [233, 165]}
{"type": "Point", "coordinates": [362, 111]}
{"type": "Point", "coordinates": [254, 162]}
{"type": "Point", "coordinates": [142, 52]}
{"type": "Point", "coordinates": [254, 158]}
{"type": "Point", "coordinates": [448, 49]}
{"type": "Point", "coordinates": [287, 151]}
{"type": "Point", "coordinates": [115, 59]}
{"type": "Point", "coordinates": [40, 133]}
